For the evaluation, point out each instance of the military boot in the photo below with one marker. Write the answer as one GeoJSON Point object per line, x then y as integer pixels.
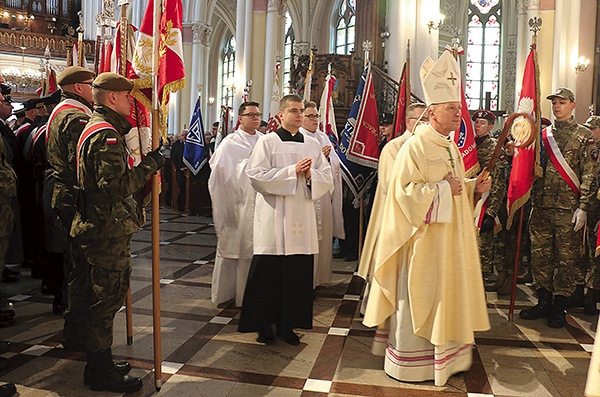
{"type": "Point", "coordinates": [506, 288]}
{"type": "Point", "coordinates": [524, 276]}
{"type": "Point", "coordinates": [106, 377]}
{"type": "Point", "coordinates": [591, 298]}
{"type": "Point", "coordinates": [578, 298]}
{"type": "Point", "coordinates": [542, 309]}
{"type": "Point", "coordinates": [558, 315]}
{"type": "Point", "coordinates": [122, 366]}
{"type": "Point", "coordinates": [497, 284]}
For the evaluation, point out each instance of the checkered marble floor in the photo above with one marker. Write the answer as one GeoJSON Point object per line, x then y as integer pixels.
{"type": "Point", "coordinates": [205, 356]}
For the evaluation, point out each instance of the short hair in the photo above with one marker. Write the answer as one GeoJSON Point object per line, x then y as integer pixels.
{"type": "Point", "coordinates": [99, 95]}
{"type": "Point", "coordinates": [286, 100]}
{"type": "Point", "coordinates": [244, 105]}
{"type": "Point", "coordinates": [310, 104]}
{"type": "Point", "coordinates": [414, 106]}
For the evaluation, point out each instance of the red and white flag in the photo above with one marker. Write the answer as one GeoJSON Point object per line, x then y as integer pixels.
{"type": "Point", "coordinates": [171, 71]}
{"type": "Point", "coordinates": [523, 163]}
{"type": "Point", "coordinates": [326, 113]}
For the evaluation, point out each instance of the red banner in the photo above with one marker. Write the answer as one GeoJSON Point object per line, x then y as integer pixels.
{"type": "Point", "coordinates": [364, 145]}
{"type": "Point", "coordinates": [465, 139]}
{"type": "Point", "coordinates": [401, 104]}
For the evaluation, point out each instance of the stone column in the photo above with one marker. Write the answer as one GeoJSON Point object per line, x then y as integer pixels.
{"type": "Point", "coordinates": [274, 30]}
{"type": "Point", "coordinates": [199, 69]}
{"type": "Point", "coordinates": [240, 56]}
{"type": "Point", "coordinates": [566, 44]}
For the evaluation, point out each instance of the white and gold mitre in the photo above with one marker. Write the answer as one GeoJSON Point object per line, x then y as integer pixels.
{"type": "Point", "coordinates": [441, 79]}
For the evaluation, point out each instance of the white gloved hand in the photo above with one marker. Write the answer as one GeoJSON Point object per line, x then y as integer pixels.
{"type": "Point", "coordinates": [579, 219]}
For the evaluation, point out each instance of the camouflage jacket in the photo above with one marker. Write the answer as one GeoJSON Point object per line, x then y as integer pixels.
{"type": "Point", "coordinates": [63, 134]}
{"type": "Point", "coordinates": [485, 149]}
{"type": "Point", "coordinates": [106, 207]}
{"type": "Point", "coordinates": [8, 190]}
{"type": "Point", "coordinates": [578, 147]}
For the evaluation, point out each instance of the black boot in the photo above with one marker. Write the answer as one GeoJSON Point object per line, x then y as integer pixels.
{"type": "Point", "coordinates": [493, 287]}
{"type": "Point", "coordinates": [542, 309]}
{"type": "Point", "coordinates": [578, 298]}
{"type": "Point", "coordinates": [557, 318]}
{"type": "Point", "coordinates": [122, 366]}
{"type": "Point", "coordinates": [591, 298]}
{"type": "Point", "coordinates": [106, 377]}
{"type": "Point", "coordinates": [7, 390]}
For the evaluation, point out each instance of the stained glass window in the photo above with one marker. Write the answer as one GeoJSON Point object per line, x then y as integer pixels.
{"type": "Point", "coordinates": [483, 53]}
{"type": "Point", "coordinates": [228, 72]}
{"type": "Point", "coordinates": [345, 31]}
{"type": "Point", "coordinates": [288, 52]}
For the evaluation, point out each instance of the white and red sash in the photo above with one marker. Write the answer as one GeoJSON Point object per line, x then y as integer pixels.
{"type": "Point", "coordinates": [559, 161]}
{"type": "Point", "coordinates": [87, 133]}
{"type": "Point", "coordinates": [31, 140]}
{"type": "Point", "coordinates": [481, 214]}
{"type": "Point", "coordinates": [68, 103]}
{"type": "Point", "coordinates": [22, 128]}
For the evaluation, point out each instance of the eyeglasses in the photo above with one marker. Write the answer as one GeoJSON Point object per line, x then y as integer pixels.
{"type": "Point", "coordinates": [86, 82]}
{"type": "Point", "coordinates": [252, 115]}
{"type": "Point", "coordinates": [312, 116]}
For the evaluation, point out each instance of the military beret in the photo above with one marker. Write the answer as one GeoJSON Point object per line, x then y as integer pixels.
{"type": "Point", "coordinates": [592, 122]}
{"type": "Point", "coordinates": [386, 118]}
{"type": "Point", "coordinates": [51, 99]}
{"type": "Point", "coordinates": [563, 93]}
{"type": "Point", "coordinates": [484, 114]}
{"type": "Point", "coordinates": [74, 74]}
{"type": "Point", "coordinates": [545, 121]}
{"type": "Point", "coordinates": [112, 82]}
{"type": "Point", "coordinates": [30, 103]}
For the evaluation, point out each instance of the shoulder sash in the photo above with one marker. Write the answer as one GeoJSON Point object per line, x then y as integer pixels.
{"type": "Point", "coordinates": [559, 161]}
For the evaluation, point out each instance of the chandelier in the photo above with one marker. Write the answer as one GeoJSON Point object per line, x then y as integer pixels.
{"type": "Point", "coordinates": [24, 81]}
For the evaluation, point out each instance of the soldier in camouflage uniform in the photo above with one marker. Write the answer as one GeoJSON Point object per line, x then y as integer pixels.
{"type": "Point", "coordinates": [107, 217]}
{"type": "Point", "coordinates": [593, 274]}
{"type": "Point", "coordinates": [484, 123]}
{"type": "Point", "coordinates": [559, 213]}
{"type": "Point", "coordinates": [64, 128]}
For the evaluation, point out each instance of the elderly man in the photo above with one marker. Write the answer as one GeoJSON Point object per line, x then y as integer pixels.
{"type": "Point", "coordinates": [427, 278]}
{"type": "Point", "coordinates": [561, 200]}
{"type": "Point", "coordinates": [107, 217]}
{"type": "Point", "coordinates": [233, 207]}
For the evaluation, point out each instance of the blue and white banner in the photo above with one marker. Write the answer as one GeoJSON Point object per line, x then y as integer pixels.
{"type": "Point", "coordinates": [195, 152]}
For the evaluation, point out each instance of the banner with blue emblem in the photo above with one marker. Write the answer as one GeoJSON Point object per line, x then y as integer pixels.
{"type": "Point", "coordinates": [195, 152]}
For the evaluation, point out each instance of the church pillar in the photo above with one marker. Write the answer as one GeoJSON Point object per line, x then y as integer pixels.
{"type": "Point", "coordinates": [89, 10]}
{"type": "Point", "coordinates": [274, 30]}
{"type": "Point", "coordinates": [240, 56]}
{"type": "Point", "coordinates": [566, 41]}
{"type": "Point", "coordinates": [199, 70]}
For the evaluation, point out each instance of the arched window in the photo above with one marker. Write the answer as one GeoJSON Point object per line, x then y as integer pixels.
{"type": "Point", "coordinates": [345, 30]}
{"type": "Point", "coordinates": [288, 52]}
{"type": "Point", "coordinates": [227, 72]}
{"type": "Point", "coordinates": [483, 53]}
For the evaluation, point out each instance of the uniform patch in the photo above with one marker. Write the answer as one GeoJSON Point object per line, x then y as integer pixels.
{"type": "Point", "coordinates": [591, 141]}
{"type": "Point", "coordinates": [83, 122]}
{"type": "Point", "coordinates": [594, 154]}
{"type": "Point", "coordinates": [111, 141]}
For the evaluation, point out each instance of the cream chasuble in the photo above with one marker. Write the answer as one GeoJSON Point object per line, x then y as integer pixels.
{"type": "Point", "coordinates": [431, 232]}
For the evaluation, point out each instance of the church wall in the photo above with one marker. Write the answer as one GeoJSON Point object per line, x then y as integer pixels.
{"type": "Point", "coordinates": [585, 80]}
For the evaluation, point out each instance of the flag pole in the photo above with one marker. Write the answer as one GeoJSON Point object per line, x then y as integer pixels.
{"type": "Point", "coordinates": [407, 81]}
{"type": "Point", "coordinates": [155, 202]}
{"type": "Point", "coordinates": [123, 32]}
{"type": "Point", "coordinates": [367, 45]}
{"type": "Point", "coordinates": [535, 26]}
{"type": "Point", "coordinates": [80, 30]}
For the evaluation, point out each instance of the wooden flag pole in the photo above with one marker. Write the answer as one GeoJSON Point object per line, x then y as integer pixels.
{"type": "Point", "coordinates": [407, 81]}
{"type": "Point", "coordinates": [123, 30]}
{"type": "Point", "coordinates": [367, 46]}
{"type": "Point", "coordinates": [155, 202]}
{"type": "Point", "coordinates": [513, 294]}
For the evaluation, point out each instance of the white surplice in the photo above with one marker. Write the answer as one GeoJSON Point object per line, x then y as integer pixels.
{"type": "Point", "coordinates": [427, 275]}
{"type": "Point", "coordinates": [233, 215]}
{"type": "Point", "coordinates": [285, 221]}
{"type": "Point", "coordinates": [330, 222]}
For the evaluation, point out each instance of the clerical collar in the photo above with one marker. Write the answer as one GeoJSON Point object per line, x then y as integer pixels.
{"type": "Point", "coordinates": [446, 137]}
{"type": "Point", "coordinates": [287, 136]}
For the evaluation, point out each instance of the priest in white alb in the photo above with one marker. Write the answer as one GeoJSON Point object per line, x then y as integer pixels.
{"type": "Point", "coordinates": [328, 208]}
{"type": "Point", "coordinates": [427, 275]}
{"type": "Point", "coordinates": [289, 172]}
{"type": "Point", "coordinates": [233, 199]}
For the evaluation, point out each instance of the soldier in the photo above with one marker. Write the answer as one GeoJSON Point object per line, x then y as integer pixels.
{"type": "Point", "coordinates": [484, 123]}
{"type": "Point", "coordinates": [107, 217]}
{"type": "Point", "coordinates": [593, 275]}
{"type": "Point", "coordinates": [562, 198]}
{"type": "Point", "coordinates": [63, 130]}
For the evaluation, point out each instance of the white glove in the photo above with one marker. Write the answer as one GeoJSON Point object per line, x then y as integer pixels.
{"type": "Point", "coordinates": [579, 219]}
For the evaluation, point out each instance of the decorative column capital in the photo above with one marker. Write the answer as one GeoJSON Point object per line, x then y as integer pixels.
{"type": "Point", "coordinates": [526, 5]}
{"type": "Point", "coordinates": [301, 48]}
{"type": "Point", "coordinates": [279, 6]}
{"type": "Point", "coordinates": [202, 33]}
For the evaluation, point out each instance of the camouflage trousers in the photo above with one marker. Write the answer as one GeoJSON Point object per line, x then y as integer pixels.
{"type": "Point", "coordinates": [591, 262]}
{"type": "Point", "coordinates": [556, 251]}
{"type": "Point", "coordinates": [76, 283]}
{"type": "Point", "coordinates": [7, 226]}
{"type": "Point", "coordinates": [488, 252]}
{"type": "Point", "coordinates": [109, 262]}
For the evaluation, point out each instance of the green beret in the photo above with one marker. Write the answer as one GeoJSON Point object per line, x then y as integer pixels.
{"type": "Point", "coordinates": [112, 82]}
{"type": "Point", "coordinates": [74, 74]}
